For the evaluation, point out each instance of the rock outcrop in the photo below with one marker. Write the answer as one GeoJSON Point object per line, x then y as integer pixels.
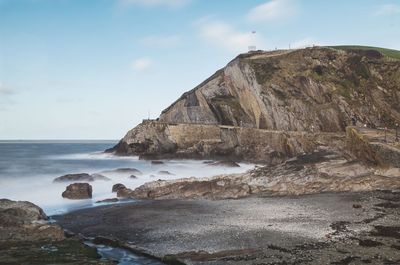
{"type": "Point", "coordinates": [24, 221]}
{"type": "Point", "coordinates": [27, 237]}
{"type": "Point", "coordinates": [319, 88]}
{"type": "Point", "coordinates": [322, 171]}
{"type": "Point", "coordinates": [270, 106]}
{"type": "Point", "coordinates": [78, 191]}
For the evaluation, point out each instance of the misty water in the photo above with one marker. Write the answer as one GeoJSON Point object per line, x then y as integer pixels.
{"type": "Point", "coordinates": [27, 171]}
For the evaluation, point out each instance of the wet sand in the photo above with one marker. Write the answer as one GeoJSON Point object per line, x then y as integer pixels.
{"type": "Point", "coordinates": [336, 228]}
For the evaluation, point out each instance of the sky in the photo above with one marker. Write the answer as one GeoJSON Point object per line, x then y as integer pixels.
{"type": "Point", "coordinates": [74, 69]}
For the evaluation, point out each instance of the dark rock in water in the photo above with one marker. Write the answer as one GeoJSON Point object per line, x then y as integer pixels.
{"type": "Point", "coordinates": [78, 191]}
{"type": "Point", "coordinates": [124, 193]}
{"type": "Point", "coordinates": [157, 162]}
{"type": "Point", "coordinates": [125, 170]}
{"type": "Point", "coordinates": [108, 200]}
{"type": "Point", "coordinates": [99, 177]}
{"type": "Point", "coordinates": [357, 206]}
{"type": "Point", "coordinates": [80, 177]}
{"type": "Point", "coordinates": [132, 177]}
{"type": "Point", "coordinates": [208, 162]}
{"type": "Point", "coordinates": [164, 172]}
{"type": "Point", "coordinates": [117, 187]}
{"type": "Point", "coordinates": [74, 177]}
{"type": "Point", "coordinates": [225, 164]}
{"type": "Point", "coordinates": [24, 221]}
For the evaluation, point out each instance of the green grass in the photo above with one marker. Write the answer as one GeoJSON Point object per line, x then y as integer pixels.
{"type": "Point", "coordinates": [395, 54]}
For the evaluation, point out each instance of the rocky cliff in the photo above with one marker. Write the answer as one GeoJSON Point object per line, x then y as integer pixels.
{"type": "Point", "coordinates": [309, 90]}
{"type": "Point", "coordinates": [319, 88]}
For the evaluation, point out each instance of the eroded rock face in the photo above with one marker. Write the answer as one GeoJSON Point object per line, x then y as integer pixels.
{"type": "Point", "coordinates": [78, 191]}
{"type": "Point", "coordinates": [319, 88]}
{"type": "Point", "coordinates": [24, 221]}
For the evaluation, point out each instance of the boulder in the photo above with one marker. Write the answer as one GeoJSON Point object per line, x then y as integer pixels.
{"type": "Point", "coordinates": [99, 177]}
{"type": "Point", "coordinates": [157, 162]}
{"type": "Point", "coordinates": [74, 177]}
{"type": "Point", "coordinates": [25, 221]}
{"type": "Point", "coordinates": [132, 177]}
{"type": "Point", "coordinates": [78, 191]}
{"type": "Point", "coordinates": [117, 187]}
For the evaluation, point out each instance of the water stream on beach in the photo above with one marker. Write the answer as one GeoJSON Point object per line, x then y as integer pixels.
{"type": "Point", "coordinates": [28, 168]}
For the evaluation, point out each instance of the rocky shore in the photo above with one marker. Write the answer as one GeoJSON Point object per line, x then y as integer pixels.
{"type": "Point", "coordinates": [28, 237]}
{"type": "Point", "coordinates": [327, 228]}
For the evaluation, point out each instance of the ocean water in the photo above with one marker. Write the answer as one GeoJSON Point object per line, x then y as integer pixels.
{"type": "Point", "coordinates": [28, 168]}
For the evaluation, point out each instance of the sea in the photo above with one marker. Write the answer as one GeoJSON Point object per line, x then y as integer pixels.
{"type": "Point", "coordinates": [28, 168]}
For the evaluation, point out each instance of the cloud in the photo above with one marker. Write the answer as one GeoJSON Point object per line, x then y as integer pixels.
{"type": "Point", "coordinates": [225, 36]}
{"type": "Point", "coordinates": [388, 9]}
{"type": "Point", "coordinates": [161, 41]}
{"type": "Point", "coordinates": [6, 90]}
{"type": "Point", "coordinates": [142, 64]}
{"type": "Point", "coordinates": [273, 10]}
{"type": "Point", "coordinates": [155, 3]}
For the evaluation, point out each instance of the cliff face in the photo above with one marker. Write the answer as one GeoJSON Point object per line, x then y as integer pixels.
{"type": "Point", "coordinates": [319, 88]}
{"type": "Point", "coordinates": [154, 139]}
{"type": "Point", "coordinates": [312, 91]}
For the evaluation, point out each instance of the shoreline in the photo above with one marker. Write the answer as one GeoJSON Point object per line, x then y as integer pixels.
{"type": "Point", "coordinates": [198, 231]}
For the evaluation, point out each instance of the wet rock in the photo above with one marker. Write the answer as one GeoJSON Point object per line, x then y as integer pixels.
{"type": "Point", "coordinates": [164, 172]}
{"type": "Point", "coordinates": [78, 191]}
{"type": "Point", "coordinates": [225, 164]}
{"type": "Point", "coordinates": [357, 206]}
{"type": "Point", "coordinates": [80, 177]}
{"type": "Point", "coordinates": [157, 162]}
{"type": "Point", "coordinates": [132, 177]}
{"type": "Point", "coordinates": [74, 177]}
{"type": "Point", "coordinates": [117, 187]}
{"type": "Point", "coordinates": [111, 200]}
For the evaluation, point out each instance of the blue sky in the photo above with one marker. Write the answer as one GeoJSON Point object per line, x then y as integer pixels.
{"type": "Point", "coordinates": [73, 69]}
